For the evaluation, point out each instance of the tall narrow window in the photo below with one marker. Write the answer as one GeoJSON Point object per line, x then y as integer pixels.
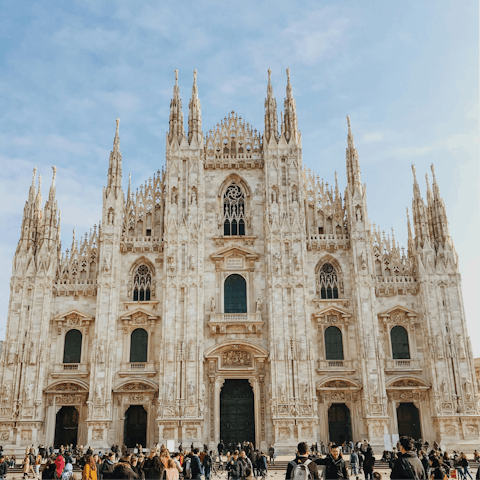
{"type": "Point", "coordinates": [333, 344]}
{"type": "Point", "coordinates": [235, 294]}
{"type": "Point", "coordinates": [233, 211]}
{"type": "Point", "coordinates": [72, 351]}
{"type": "Point", "coordinates": [400, 347]}
{"type": "Point", "coordinates": [142, 282]}
{"type": "Point", "coordinates": [328, 281]}
{"type": "Point", "coordinates": [138, 346]}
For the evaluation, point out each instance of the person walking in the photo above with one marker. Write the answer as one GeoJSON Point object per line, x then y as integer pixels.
{"type": "Point", "coordinates": [354, 463]}
{"type": "Point", "coordinates": [296, 468]}
{"type": "Point", "coordinates": [465, 466]}
{"type": "Point", "coordinates": [27, 467]}
{"type": "Point", "coordinates": [207, 464]}
{"type": "Point", "coordinates": [407, 465]}
{"type": "Point", "coordinates": [262, 465]}
{"type": "Point", "coordinates": [334, 463]}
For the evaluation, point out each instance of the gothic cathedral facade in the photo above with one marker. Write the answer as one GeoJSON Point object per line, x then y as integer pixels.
{"type": "Point", "coordinates": [236, 296]}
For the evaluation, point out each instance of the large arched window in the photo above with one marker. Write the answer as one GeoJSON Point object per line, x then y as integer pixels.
{"type": "Point", "coordinates": [235, 294]}
{"type": "Point", "coordinates": [72, 351]}
{"type": "Point", "coordinates": [333, 344]}
{"type": "Point", "coordinates": [142, 282]}
{"type": "Point", "coordinates": [328, 281]}
{"type": "Point", "coordinates": [400, 348]}
{"type": "Point", "coordinates": [233, 211]}
{"type": "Point", "coordinates": [138, 346]}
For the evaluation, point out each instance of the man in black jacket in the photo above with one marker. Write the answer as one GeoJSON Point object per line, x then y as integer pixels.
{"type": "Point", "coordinates": [407, 465]}
{"type": "Point", "coordinates": [302, 457]}
{"type": "Point", "coordinates": [3, 468]}
{"type": "Point", "coordinates": [196, 466]}
{"type": "Point", "coordinates": [335, 464]}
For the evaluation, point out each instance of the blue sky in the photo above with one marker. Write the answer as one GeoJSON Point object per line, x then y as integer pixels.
{"type": "Point", "coordinates": [406, 72]}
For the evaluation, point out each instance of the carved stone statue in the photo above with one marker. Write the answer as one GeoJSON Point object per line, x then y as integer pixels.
{"type": "Point", "coordinates": [359, 214]}
{"type": "Point", "coordinates": [363, 260]}
{"type": "Point", "coordinates": [283, 392]}
{"type": "Point", "coordinates": [305, 391]}
{"type": "Point", "coordinates": [258, 305]}
{"type": "Point", "coordinates": [110, 216]}
{"type": "Point", "coordinates": [98, 390]}
{"type": "Point", "coordinates": [169, 391]}
{"type": "Point", "coordinates": [193, 199]}
{"type": "Point", "coordinates": [461, 347]}
{"type": "Point", "coordinates": [101, 353]}
{"type": "Point", "coordinates": [29, 392]}
{"type": "Point", "coordinates": [213, 305]}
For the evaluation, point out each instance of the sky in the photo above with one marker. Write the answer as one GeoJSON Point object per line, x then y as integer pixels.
{"type": "Point", "coordinates": [406, 73]}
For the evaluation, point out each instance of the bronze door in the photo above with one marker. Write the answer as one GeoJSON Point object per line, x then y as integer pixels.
{"type": "Point", "coordinates": [339, 423]}
{"type": "Point", "coordinates": [237, 412]}
{"type": "Point", "coordinates": [408, 421]}
{"type": "Point", "coordinates": [66, 427]}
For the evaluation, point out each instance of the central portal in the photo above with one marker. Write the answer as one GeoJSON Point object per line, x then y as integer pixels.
{"type": "Point", "coordinates": [237, 412]}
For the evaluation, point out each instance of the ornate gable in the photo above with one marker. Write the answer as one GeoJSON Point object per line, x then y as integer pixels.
{"type": "Point", "coordinates": [398, 315]}
{"type": "Point", "coordinates": [73, 319]}
{"type": "Point", "coordinates": [332, 316]}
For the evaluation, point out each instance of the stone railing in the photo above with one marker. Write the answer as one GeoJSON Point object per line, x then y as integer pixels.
{"type": "Point", "coordinates": [235, 323]}
{"type": "Point", "coordinates": [137, 366]}
{"type": "Point", "coordinates": [326, 241]}
{"type": "Point", "coordinates": [335, 366]}
{"type": "Point", "coordinates": [141, 244]}
{"type": "Point", "coordinates": [403, 365]}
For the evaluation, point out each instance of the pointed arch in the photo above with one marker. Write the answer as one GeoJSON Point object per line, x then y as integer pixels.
{"type": "Point", "coordinates": [238, 180]}
{"type": "Point", "coordinates": [143, 260]}
{"type": "Point", "coordinates": [327, 258]}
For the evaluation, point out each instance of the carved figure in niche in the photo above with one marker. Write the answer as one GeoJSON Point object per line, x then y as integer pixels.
{"type": "Point", "coordinates": [363, 260]}
{"type": "Point", "coordinates": [98, 390]}
{"type": "Point", "coordinates": [274, 196]}
{"type": "Point", "coordinates": [305, 391]}
{"type": "Point", "coordinates": [296, 261]}
{"type": "Point", "coordinates": [444, 390]}
{"type": "Point", "coordinates": [191, 262]}
{"type": "Point", "coordinates": [7, 392]}
{"type": "Point", "coordinates": [277, 257]}
{"type": "Point", "coordinates": [101, 352]}
{"type": "Point", "coordinates": [29, 392]}
{"type": "Point", "coordinates": [193, 199]}
{"type": "Point", "coordinates": [202, 390]}
{"type": "Point", "coordinates": [461, 347]}
{"type": "Point", "coordinates": [108, 261]}
{"type": "Point", "coordinates": [169, 391]}
{"type": "Point", "coordinates": [110, 216]}
{"type": "Point", "coordinates": [258, 305]}
{"type": "Point", "coordinates": [213, 305]}
{"type": "Point", "coordinates": [283, 392]}
{"type": "Point", "coordinates": [191, 390]}
{"type": "Point", "coordinates": [294, 195]}
{"type": "Point", "coordinates": [174, 197]}
{"type": "Point", "coordinates": [359, 214]}
{"type": "Point", "coordinates": [467, 386]}
{"type": "Point", "coordinates": [375, 391]}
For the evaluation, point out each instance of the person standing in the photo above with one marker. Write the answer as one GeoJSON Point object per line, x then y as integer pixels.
{"type": "Point", "coordinates": [271, 454]}
{"type": "Point", "coordinates": [300, 463]}
{"type": "Point", "coordinates": [465, 466]}
{"type": "Point", "coordinates": [207, 464]}
{"type": "Point", "coordinates": [407, 465]}
{"type": "Point", "coordinates": [262, 465]}
{"type": "Point", "coordinates": [334, 463]}
{"type": "Point", "coordinates": [90, 469]}
{"type": "Point", "coordinates": [106, 469]}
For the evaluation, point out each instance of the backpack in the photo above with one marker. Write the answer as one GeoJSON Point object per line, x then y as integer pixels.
{"type": "Point", "coordinates": [187, 468]}
{"type": "Point", "coordinates": [300, 471]}
{"type": "Point", "coordinates": [409, 470]}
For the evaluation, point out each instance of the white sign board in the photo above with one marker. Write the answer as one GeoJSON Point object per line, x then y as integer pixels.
{"type": "Point", "coordinates": [171, 446]}
{"type": "Point", "coordinates": [387, 442]}
{"type": "Point", "coordinates": [395, 438]}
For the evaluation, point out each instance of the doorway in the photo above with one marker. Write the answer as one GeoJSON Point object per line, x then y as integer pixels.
{"type": "Point", "coordinates": [66, 427]}
{"type": "Point", "coordinates": [135, 426]}
{"type": "Point", "coordinates": [339, 423]}
{"type": "Point", "coordinates": [237, 412]}
{"type": "Point", "coordinates": [408, 418]}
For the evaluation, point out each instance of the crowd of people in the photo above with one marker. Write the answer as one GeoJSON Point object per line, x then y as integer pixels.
{"type": "Point", "coordinates": [414, 460]}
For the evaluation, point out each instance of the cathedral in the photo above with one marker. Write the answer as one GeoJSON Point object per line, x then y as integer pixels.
{"type": "Point", "coordinates": [236, 296]}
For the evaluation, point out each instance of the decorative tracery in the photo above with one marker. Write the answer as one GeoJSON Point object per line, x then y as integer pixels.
{"type": "Point", "coordinates": [328, 280]}
{"type": "Point", "coordinates": [142, 282]}
{"type": "Point", "coordinates": [233, 211]}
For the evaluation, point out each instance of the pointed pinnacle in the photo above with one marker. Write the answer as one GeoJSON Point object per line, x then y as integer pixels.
{"type": "Point", "coordinates": [34, 175]}
{"type": "Point", "coordinates": [414, 170]}
{"type": "Point", "coordinates": [195, 77]}
{"type": "Point", "coordinates": [432, 167]}
{"type": "Point", "coordinates": [288, 76]}
{"type": "Point", "coordinates": [176, 77]}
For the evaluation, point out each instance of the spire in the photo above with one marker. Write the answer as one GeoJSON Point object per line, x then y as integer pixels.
{"type": "Point", "coordinates": [290, 108]}
{"type": "Point", "coordinates": [176, 129]}
{"type": "Point", "coordinates": [194, 114]}
{"type": "Point", "coordinates": [271, 119]}
{"type": "Point", "coordinates": [420, 214]}
{"type": "Point", "coordinates": [441, 232]}
{"type": "Point", "coordinates": [354, 177]}
{"type": "Point", "coordinates": [115, 165]}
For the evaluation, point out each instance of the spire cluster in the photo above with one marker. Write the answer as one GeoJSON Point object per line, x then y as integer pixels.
{"type": "Point", "coordinates": [430, 218]}
{"type": "Point", "coordinates": [114, 183]}
{"type": "Point", "coordinates": [354, 177]}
